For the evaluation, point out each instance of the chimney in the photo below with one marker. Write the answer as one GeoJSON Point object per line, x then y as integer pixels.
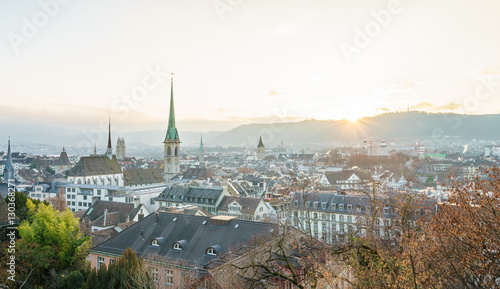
{"type": "Point", "coordinates": [142, 234]}
{"type": "Point", "coordinates": [221, 220]}
{"type": "Point", "coordinates": [157, 217]}
{"type": "Point", "coordinates": [136, 202]}
{"type": "Point", "coordinates": [105, 215]}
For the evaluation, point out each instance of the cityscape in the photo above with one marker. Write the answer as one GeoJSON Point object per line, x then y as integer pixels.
{"type": "Point", "coordinates": [157, 145]}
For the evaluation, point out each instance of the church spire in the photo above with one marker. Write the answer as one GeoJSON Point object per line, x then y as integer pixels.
{"type": "Point", "coordinates": [260, 145]}
{"type": "Point", "coordinates": [201, 144]}
{"type": "Point", "coordinates": [172, 133]}
{"type": "Point", "coordinates": [9, 169]}
{"type": "Point", "coordinates": [109, 150]}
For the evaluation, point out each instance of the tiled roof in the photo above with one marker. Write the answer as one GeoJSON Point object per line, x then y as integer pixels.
{"type": "Point", "coordinates": [197, 174]}
{"type": "Point", "coordinates": [142, 176]}
{"type": "Point", "coordinates": [96, 165]}
{"type": "Point", "coordinates": [97, 211]}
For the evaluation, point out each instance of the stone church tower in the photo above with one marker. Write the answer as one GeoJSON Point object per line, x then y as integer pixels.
{"type": "Point", "coordinates": [261, 150]}
{"type": "Point", "coordinates": [171, 143]}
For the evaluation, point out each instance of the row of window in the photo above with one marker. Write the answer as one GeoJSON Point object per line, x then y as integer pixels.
{"type": "Point", "coordinates": [80, 204]}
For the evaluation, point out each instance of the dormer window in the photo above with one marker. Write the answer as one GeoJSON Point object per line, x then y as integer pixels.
{"type": "Point", "coordinates": [349, 208]}
{"type": "Point", "coordinates": [157, 242]}
{"type": "Point", "coordinates": [341, 207]}
{"type": "Point", "coordinates": [213, 250]}
{"type": "Point", "coordinates": [179, 245]}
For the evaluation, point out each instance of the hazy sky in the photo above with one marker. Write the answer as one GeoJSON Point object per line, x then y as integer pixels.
{"type": "Point", "coordinates": [69, 64]}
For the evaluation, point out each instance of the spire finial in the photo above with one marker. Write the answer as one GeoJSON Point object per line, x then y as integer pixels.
{"type": "Point", "coordinates": [172, 133]}
{"type": "Point", "coordinates": [109, 150]}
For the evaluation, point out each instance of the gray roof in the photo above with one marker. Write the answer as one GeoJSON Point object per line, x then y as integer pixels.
{"type": "Point", "coordinates": [333, 177]}
{"type": "Point", "coordinates": [190, 230]}
{"type": "Point", "coordinates": [330, 202]}
{"type": "Point", "coordinates": [249, 205]}
{"type": "Point", "coordinates": [142, 176]}
{"type": "Point", "coordinates": [181, 194]}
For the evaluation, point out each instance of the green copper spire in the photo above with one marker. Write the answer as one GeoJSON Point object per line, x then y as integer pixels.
{"type": "Point", "coordinates": [201, 144]}
{"type": "Point", "coordinates": [172, 133]}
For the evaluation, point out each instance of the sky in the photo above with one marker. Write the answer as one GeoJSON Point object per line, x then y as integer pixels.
{"type": "Point", "coordinates": [66, 65]}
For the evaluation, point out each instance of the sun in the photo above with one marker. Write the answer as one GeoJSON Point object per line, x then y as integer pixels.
{"type": "Point", "coordinates": [352, 119]}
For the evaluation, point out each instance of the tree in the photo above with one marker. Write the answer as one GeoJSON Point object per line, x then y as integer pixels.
{"type": "Point", "coordinates": [128, 272]}
{"type": "Point", "coordinates": [50, 239]}
{"type": "Point", "coordinates": [464, 237]}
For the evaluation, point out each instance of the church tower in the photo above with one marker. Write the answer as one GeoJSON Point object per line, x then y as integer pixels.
{"type": "Point", "coordinates": [202, 154]}
{"type": "Point", "coordinates": [121, 150]}
{"type": "Point", "coordinates": [261, 150]}
{"type": "Point", "coordinates": [8, 173]}
{"type": "Point", "coordinates": [172, 142]}
{"type": "Point", "coordinates": [109, 150]}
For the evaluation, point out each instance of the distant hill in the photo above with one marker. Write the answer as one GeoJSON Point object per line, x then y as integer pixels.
{"type": "Point", "coordinates": [411, 126]}
{"type": "Point", "coordinates": [389, 126]}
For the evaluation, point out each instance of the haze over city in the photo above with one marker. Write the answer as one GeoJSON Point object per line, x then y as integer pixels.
{"type": "Point", "coordinates": [248, 62]}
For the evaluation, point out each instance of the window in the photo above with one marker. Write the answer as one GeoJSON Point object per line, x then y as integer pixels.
{"type": "Point", "coordinates": [152, 202]}
{"type": "Point", "coordinates": [68, 189]}
{"type": "Point", "coordinates": [211, 252]}
{"type": "Point", "coordinates": [323, 216]}
{"type": "Point", "coordinates": [315, 215]}
{"type": "Point", "coordinates": [84, 197]}
{"type": "Point", "coordinates": [155, 243]}
{"type": "Point", "coordinates": [323, 205]}
{"type": "Point", "coordinates": [358, 208]}
{"type": "Point", "coordinates": [341, 218]}
{"type": "Point", "coordinates": [79, 204]}
{"type": "Point", "coordinates": [169, 277]}
{"type": "Point", "coordinates": [349, 219]}
{"type": "Point", "coordinates": [334, 206]}
{"type": "Point", "coordinates": [341, 207]}
{"type": "Point", "coordinates": [177, 246]}
{"type": "Point", "coordinates": [154, 274]}
{"type": "Point", "coordinates": [100, 260]}
{"type": "Point", "coordinates": [72, 203]}
{"type": "Point", "coordinates": [261, 209]}
{"type": "Point", "coordinates": [349, 208]}
{"type": "Point", "coordinates": [99, 192]}
{"type": "Point", "coordinates": [333, 217]}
